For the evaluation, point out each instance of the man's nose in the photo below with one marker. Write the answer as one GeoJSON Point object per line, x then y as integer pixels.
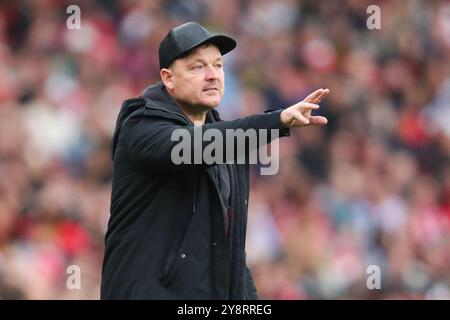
{"type": "Point", "coordinates": [211, 73]}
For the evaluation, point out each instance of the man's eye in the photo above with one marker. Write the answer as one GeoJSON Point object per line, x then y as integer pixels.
{"type": "Point", "coordinates": [219, 65]}
{"type": "Point", "coordinates": [197, 67]}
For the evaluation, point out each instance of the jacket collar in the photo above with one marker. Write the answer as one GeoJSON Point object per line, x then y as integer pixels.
{"type": "Point", "coordinates": [156, 96]}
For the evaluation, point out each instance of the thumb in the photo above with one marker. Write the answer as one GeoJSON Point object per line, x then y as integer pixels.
{"type": "Point", "coordinates": [317, 120]}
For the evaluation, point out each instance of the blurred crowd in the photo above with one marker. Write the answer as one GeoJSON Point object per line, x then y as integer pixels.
{"type": "Point", "coordinates": [372, 188]}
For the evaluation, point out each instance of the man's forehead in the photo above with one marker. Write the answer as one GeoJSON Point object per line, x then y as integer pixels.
{"type": "Point", "coordinates": [206, 51]}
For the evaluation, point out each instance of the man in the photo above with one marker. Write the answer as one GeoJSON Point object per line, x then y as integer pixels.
{"type": "Point", "coordinates": [178, 231]}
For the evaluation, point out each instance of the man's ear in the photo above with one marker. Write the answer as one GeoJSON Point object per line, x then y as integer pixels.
{"type": "Point", "coordinates": [166, 77]}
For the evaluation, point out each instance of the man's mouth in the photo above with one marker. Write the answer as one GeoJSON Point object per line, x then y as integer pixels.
{"type": "Point", "coordinates": [210, 89]}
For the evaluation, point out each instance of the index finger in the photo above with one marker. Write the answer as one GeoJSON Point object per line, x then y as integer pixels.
{"type": "Point", "coordinates": [313, 96]}
{"type": "Point", "coordinates": [322, 95]}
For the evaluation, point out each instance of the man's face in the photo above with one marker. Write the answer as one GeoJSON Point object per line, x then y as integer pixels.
{"type": "Point", "coordinates": [198, 78]}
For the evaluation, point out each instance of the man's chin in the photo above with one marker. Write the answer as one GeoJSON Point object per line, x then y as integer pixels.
{"type": "Point", "coordinates": [202, 105]}
{"type": "Point", "coordinates": [210, 104]}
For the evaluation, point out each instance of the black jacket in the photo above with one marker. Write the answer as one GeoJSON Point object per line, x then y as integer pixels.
{"type": "Point", "coordinates": [167, 235]}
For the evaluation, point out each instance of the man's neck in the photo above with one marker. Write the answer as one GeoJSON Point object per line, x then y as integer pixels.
{"type": "Point", "coordinates": [196, 114]}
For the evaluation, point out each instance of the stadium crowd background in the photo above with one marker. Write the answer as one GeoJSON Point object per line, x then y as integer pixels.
{"type": "Point", "coordinates": [370, 188]}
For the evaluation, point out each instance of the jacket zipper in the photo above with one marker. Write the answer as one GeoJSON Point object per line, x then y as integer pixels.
{"type": "Point", "coordinates": [216, 187]}
{"type": "Point", "coordinates": [189, 122]}
{"type": "Point", "coordinates": [195, 193]}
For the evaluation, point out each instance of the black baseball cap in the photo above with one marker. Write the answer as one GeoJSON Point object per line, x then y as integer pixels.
{"type": "Point", "coordinates": [186, 37]}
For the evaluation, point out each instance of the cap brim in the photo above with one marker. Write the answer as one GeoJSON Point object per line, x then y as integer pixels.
{"type": "Point", "coordinates": [224, 43]}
